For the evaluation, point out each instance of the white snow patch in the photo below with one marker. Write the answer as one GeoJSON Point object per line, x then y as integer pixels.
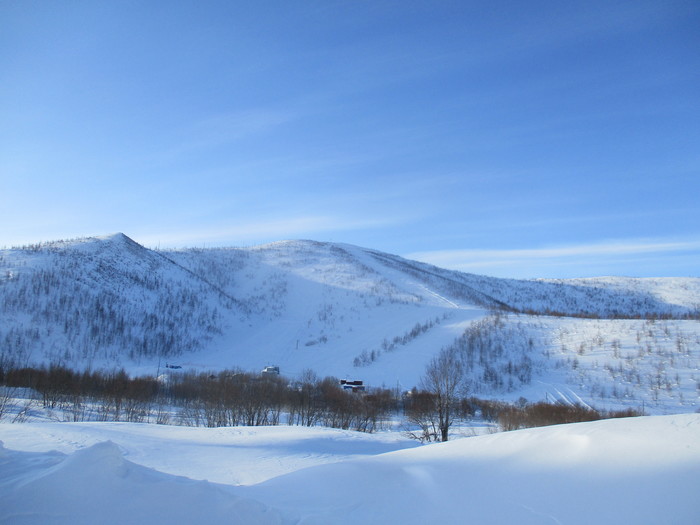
{"type": "Point", "coordinates": [639, 470]}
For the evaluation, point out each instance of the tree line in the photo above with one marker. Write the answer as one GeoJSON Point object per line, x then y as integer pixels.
{"type": "Point", "coordinates": [233, 398]}
{"type": "Point", "coordinates": [227, 398]}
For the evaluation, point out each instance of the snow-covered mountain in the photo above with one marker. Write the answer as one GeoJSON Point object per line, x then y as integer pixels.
{"type": "Point", "coordinates": [350, 312]}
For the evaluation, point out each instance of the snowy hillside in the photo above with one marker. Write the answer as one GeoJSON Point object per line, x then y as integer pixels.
{"type": "Point", "coordinates": [610, 297]}
{"type": "Point", "coordinates": [349, 312]}
{"type": "Point", "coordinates": [637, 470]}
{"type": "Point", "coordinates": [98, 300]}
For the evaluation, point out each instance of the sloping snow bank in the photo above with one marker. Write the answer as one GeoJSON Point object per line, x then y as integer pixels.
{"type": "Point", "coordinates": [97, 485]}
{"type": "Point", "coordinates": [227, 455]}
{"type": "Point", "coordinates": [639, 470]}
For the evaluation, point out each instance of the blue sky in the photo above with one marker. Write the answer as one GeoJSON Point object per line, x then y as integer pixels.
{"type": "Point", "coordinates": [519, 139]}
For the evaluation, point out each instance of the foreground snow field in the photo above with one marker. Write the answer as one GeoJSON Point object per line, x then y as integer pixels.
{"type": "Point", "coordinates": [636, 470]}
{"type": "Point", "coordinates": [229, 455]}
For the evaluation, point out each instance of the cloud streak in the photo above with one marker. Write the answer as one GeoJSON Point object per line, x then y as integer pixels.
{"type": "Point", "coordinates": [236, 125]}
{"type": "Point", "coordinates": [478, 259]}
{"type": "Point", "coordinates": [262, 231]}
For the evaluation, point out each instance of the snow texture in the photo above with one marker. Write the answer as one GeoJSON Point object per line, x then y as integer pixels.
{"type": "Point", "coordinates": [642, 470]}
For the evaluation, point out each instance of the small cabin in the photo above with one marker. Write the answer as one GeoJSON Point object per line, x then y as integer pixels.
{"type": "Point", "coordinates": [270, 371]}
{"type": "Point", "coordinates": [355, 386]}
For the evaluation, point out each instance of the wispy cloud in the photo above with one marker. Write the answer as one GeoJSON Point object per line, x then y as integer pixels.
{"type": "Point", "coordinates": [236, 125]}
{"type": "Point", "coordinates": [531, 258]}
{"type": "Point", "coordinates": [262, 231]}
{"type": "Point", "coordinates": [212, 131]}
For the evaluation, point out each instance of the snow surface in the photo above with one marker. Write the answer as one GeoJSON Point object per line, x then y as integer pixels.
{"type": "Point", "coordinates": [252, 454]}
{"type": "Point", "coordinates": [642, 470]}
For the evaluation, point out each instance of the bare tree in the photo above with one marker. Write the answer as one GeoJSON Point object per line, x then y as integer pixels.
{"type": "Point", "coordinates": [419, 409]}
{"type": "Point", "coordinates": [444, 379]}
{"type": "Point", "coordinates": [7, 400]}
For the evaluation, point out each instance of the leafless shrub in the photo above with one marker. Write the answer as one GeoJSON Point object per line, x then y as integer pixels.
{"type": "Point", "coordinates": [544, 414]}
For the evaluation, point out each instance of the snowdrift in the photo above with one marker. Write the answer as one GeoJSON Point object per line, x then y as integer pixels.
{"type": "Point", "coordinates": [97, 485]}
{"type": "Point", "coordinates": [637, 470]}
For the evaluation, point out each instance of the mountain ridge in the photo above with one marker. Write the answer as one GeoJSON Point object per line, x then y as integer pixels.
{"type": "Point", "coordinates": [343, 310]}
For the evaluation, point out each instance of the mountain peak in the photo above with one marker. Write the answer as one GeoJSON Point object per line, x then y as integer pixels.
{"type": "Point", "coordinates": [115, 237]}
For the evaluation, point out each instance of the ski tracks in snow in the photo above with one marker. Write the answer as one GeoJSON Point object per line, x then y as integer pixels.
{"type": "Point", "coordinates": [438, 296]}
